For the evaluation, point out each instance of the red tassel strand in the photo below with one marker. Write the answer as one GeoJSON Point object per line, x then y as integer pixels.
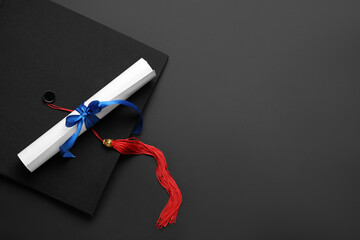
{"type": "Point", "coordinates": [134, 146]}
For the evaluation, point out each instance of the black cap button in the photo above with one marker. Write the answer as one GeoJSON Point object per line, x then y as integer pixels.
{"type": "Point", "coordinates": [49, 96]}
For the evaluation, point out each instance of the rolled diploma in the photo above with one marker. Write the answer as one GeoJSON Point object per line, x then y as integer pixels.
{"type": "Point", "coordinates": [120, 88]}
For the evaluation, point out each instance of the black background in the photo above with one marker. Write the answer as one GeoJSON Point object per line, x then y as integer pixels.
{"type": "Point", "coordinates": [257, 112]}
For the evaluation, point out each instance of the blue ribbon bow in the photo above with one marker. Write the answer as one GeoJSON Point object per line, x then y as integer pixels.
{"type": "Point", "coordinates": [87, 116]}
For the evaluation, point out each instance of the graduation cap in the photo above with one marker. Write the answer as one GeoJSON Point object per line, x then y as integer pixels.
{"type": "Point", "coordinates": [45, 46]}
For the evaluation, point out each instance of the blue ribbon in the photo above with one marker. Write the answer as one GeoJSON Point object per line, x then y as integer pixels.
{"type": "Point", "coordinates": [87, 116]}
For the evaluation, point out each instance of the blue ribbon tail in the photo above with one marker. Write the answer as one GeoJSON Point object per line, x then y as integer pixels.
{"type": "Point", "coordinates": [138, 126]}
{"type": "Point", "coordinates": [139, 123]}
{"type": "Point", "coordinates": [67, 154]}
{"type": "Point", "coordinates": [64, 149]}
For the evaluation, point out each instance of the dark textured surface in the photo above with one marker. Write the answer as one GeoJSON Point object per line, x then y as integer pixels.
{"type": "Point", "coordinates": [258, 115]}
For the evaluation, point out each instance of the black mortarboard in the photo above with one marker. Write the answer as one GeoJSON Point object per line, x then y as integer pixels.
{"type": "Point", "coordinates": [47, 47]}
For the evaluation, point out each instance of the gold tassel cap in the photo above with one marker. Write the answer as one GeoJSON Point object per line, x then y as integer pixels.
{"type": "Point", "coordinates": [107, 142]}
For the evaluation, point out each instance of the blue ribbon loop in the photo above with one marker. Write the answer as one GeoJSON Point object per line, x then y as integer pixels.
{"type": "Point", "coordinates": [87, 116]}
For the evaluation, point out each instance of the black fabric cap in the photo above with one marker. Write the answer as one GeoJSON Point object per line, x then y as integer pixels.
{"type": "Point", "coordinates": [45, 46]}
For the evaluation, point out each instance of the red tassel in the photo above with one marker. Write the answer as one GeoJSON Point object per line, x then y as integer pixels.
{"type": "Point", "coordinates": [134, 146]}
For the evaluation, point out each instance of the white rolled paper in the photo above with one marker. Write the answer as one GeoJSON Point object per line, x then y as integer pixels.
{"type": "Point", "coordinates": [120, 88]}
